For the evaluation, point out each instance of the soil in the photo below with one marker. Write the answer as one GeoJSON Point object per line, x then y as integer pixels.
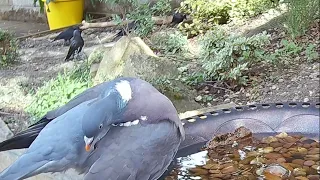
{"type": "Point", "coordinates": [42, 60]}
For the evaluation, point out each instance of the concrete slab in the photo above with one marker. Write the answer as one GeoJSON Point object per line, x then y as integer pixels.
{"type": "Point", "coordinates": [23, 28]}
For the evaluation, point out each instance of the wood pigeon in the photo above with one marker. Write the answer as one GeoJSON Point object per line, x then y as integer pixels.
{"type": "Point", "coordinates": [127, 130]}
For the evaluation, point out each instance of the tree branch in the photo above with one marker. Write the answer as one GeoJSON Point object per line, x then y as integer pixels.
{"type": "Point", "coordinates": [159, 20]}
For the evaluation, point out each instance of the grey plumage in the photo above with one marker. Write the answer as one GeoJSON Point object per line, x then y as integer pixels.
{"type": "Point", "coordinates": [56, 148]}
{"type": "Point", "coordinates": [142, 151]}
{"type": "Point", "coordinates": [76, 44]}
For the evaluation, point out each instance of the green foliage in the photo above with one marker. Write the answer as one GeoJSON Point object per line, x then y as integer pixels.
{"type": "Point", "coordinates": [311, 53]}
{"type": "Point", "coordinates": [142, 14]}
{"type": "Point", "coordinates": [170, 43]}
{"type": "Point", "coordinates": [289, 51]}
{"type": "Point", "coordinates": [8, 48]}
{"type": "Point", "coordinates": [166, 86]}
{"type": "Point", "coordinates": [60, 90]}
{"type": "Point", "coordinates": [301, 15]}
{"type": "Point", "coordinates": [161, 7]}
{"type": "Point", "coordinates": [205, 14]}
{"type": "Point", "coordinates": [229, 58]}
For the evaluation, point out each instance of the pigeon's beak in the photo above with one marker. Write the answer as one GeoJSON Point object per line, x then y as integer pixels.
{"type": "Point", "coordinates": [88, 142]}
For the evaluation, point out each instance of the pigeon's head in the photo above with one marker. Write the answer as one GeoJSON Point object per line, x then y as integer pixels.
{"type": "Point", "coordinates": [103, 112]}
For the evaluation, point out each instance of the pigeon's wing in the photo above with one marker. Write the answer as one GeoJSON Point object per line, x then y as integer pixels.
{"type": "Point", "coordinates": [140, 152]}
{"type": "Point", "coordinates": [55, 149]}
{"type": "Point", "coordinates": [24, 138]}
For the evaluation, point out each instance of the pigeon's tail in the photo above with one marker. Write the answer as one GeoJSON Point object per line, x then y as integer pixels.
{"type": "Point", "coordinates": [25, 138]}
{"type": "Point", "coordinates": [27, 165]}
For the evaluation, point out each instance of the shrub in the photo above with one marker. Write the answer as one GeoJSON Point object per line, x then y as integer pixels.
{"type": "Point", "coordinates": [60, 90]}
{"type": "Point", "coordinates": [161, 7]}
{"type": "Point", "coordinates": [206, 14]}
{"type": "Point", "coordinates": [301, 15]}
{"type": "Point", "coordinates": [170, 43]}
{"type": "Point", "coordinates": [8, 48]}
{"type": "Point", "coordinates": [229, 58]}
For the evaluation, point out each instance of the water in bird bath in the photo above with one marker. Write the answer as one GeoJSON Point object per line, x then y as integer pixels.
{"type": "Point", "coordinates": [280, 156]}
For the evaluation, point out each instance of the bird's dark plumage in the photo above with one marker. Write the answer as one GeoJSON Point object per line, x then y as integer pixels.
{"type": "Point", "coordinates": [178, 18]}
{"type": "Point", "coordinates": [67, 34]}
{"type": "Point", "coordinates": [75, 45]}
{"type": "Point", "coordinates": [131, 26]}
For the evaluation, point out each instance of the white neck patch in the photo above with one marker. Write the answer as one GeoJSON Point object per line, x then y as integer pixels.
{"type": "Point", "coordinates": [124, 89]}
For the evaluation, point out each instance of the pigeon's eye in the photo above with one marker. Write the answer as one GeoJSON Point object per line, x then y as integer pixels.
{"type": "Point", "coordinates": [101, 125]}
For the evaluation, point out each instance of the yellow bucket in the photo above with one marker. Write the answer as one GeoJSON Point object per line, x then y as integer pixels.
{"type": "Point", "coordinates": [64, 13]}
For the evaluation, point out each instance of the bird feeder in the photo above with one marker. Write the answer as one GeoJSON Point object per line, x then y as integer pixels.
{"type": "Point", "coordinates": [64, 13]}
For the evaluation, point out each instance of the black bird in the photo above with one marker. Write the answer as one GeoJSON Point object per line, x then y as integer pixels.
{"type": "Point", "coordinates": [75, 45]}
{"type": "Point", "coordinates": [131, 26]}
{"type": "Point", "coordinates": [66, 35]}
{"type": "Point", "coordinates": [178, 18]}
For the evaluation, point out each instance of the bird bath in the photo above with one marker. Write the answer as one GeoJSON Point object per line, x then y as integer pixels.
{"type": "Point", "coordinates": [263, 120]}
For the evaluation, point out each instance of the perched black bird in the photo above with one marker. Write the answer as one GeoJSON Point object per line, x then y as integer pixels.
{"type": "Point", "coordinates": [131, 26]}
{"type": "Point", "coordinates": [75, 45]}
{"type": "Point", "coordinates": [178, 18]}
{"type": "Point", "coordinates": [66, 35]}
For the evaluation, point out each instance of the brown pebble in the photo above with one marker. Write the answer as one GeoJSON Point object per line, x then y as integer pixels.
{"type": "Point", "coordinates": [198, 171]}
{"type": "Point", "coordinates": [222, 166]}
{"type": "Point", "coordinates": [268, 149]}
{"type": "Point", "coordinates": [269, 176]}
{"type": "Point", "coordinates": [286, 155]}
{"type": "Point", "coordinates": [316, 167]}
{"type": "Point", "coordinates": [281, 160]}
{"type": "Point", "coordinates": [228, 170]}
{"type": "Point", "coordinates": [277, 149]}
{"type": "Point", "coordinates": [301, 178]}
{"type": "Point", "coordinates": [298, 161]}
{"type": "Point", "coordinates": [299, 172]}
{"type": "Point", "coordinates": [272, 155]}
{"type": "Point", "coordinates": [295, 165]}
{"type": "Point", "coordinates": [288, 145]}
{"type": "Point", "coordinates": [307, 146]}
{"type": "Point", "coordinates": [226, 177]}
{"type": "Point", "coordinates": [214, 171]}
{"type": "Point", "coordinates": [313, 177]}
{"type": "Point", "coordinates": [283, 150]}
{"type": "Point", "coordinates": [290, 139]}
{"type": "Point", "coordinates": [217, 175]}
{"type": "Point", "coordinates": [314, 157]}
{"type": "Point", "coordinates": [275, 144]}
{"type": "Point", "coordinates": [309, 163]}
{"type": "Point", "coordinates": [211, 166]}
{"type": "Point", "coordinates": [314, 151]}
{"type": "Point", "coordinates": [315, 144]}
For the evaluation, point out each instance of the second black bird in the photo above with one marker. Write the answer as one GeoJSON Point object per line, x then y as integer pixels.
{"type": "Point", "coordinates": [75, 45]}
{"type": "Point", "coordinates": [178, 18]}
{"type": "Point", "coordinates": [66, 35]}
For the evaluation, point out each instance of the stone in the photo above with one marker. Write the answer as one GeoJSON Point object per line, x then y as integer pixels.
{"type": "Point", "coordinates": [131, 57]}
{"type": "Point", "coordinates": [309, 163]}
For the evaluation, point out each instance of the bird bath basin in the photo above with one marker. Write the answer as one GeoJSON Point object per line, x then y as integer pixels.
{"type": "Point", "coordinates": [262, 120]}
